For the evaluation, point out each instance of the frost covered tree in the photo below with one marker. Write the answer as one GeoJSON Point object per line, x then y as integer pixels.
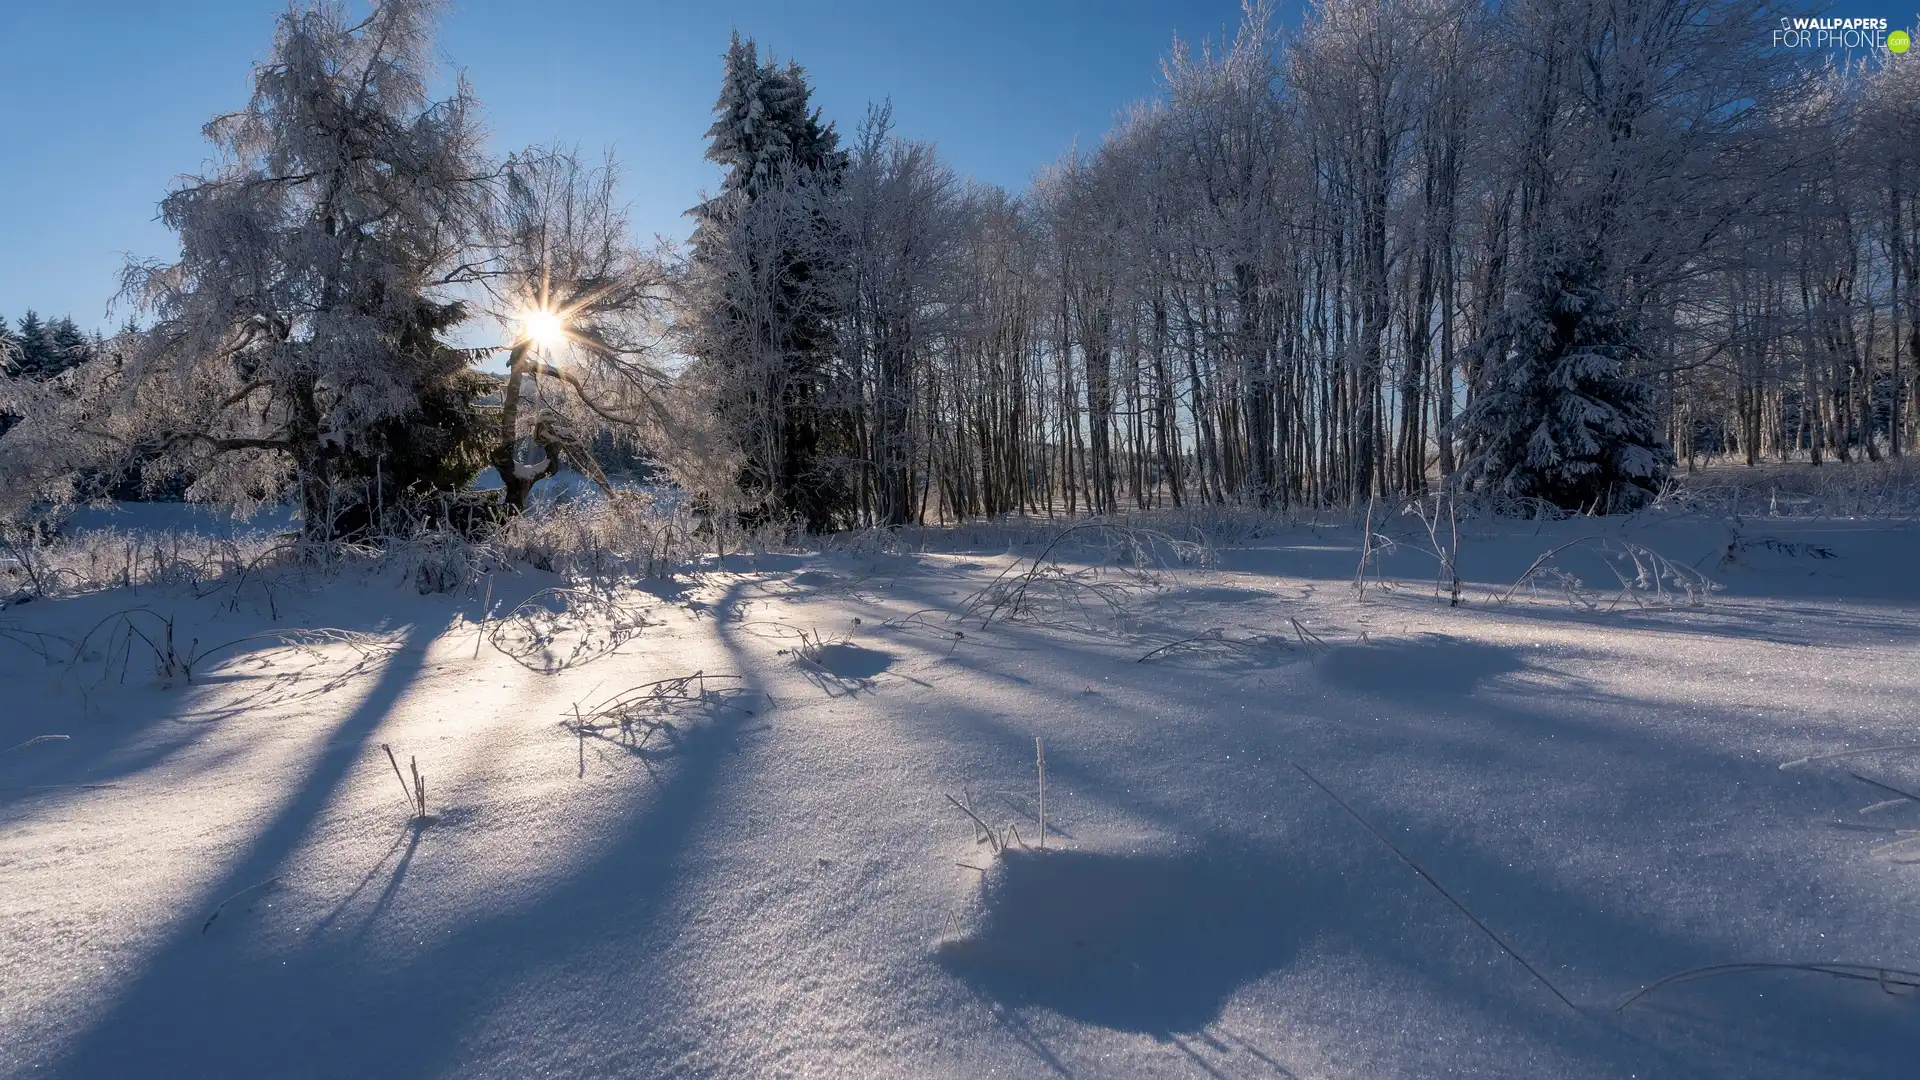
{"type": "Point", "coordinates": [585, 307]}
{"type": "Point", "coordinates": [1560, 415]}
{"type": "Point", "coordinates": [764, 123]}
{"type": "Point", "coordinates": [899, 226]}
{"type": "Point", "coordinates": [750, 317]}
{"type": "Point", "coordinates": [1526, 244]}
{"type": "Point", "coordinates": [759, 294]}
{"type": "Point", "coordinates": [298, 340]}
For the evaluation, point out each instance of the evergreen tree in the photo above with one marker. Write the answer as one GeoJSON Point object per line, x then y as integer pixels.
{"type": "Point", "coordinates": [43, 349]}
{"type": "Point", "coordinates": [404, 464]}
{"type": "Point", "coordinates": [762, 125]}
{"type": "Point", "coordinates": [70, 346]}
{"type": "Point", "coordinates": [766, 337]}
{"type": "Point", "coordinates": [1560, 415]}
{"type": "Point", "coordinates": [34, 341]}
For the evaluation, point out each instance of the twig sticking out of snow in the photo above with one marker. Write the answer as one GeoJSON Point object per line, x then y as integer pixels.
{"type": "Point", "coordinates": [1045, 588]}
{"type": "Point", "coordinates": [901, 622]}
{"type": "Point", "coordinates": [1040, 763]}
{"type": "Point", "coordinates": [1367, 550]}
{"type": "Point", "coordinates": [222, 905]}
{"type": "Point", "coordinates": [992, 841]}
{"type": "Point", "coordinates": [1645, 576]}
{"type": "Point", "coordinates": [556, 629]}
{"type": "Point", "coordinates": [416, 794]}
{"type": "Point", "coordinates": [1446, 552]}
{"type": "Point", "coordinates": [813, 647]}
{"type": "Point", "coordinates": [1215, 636]}
{"type": "Point", "coordinates": [913, 619]}
{"type": "Point", "coordinates": [1887, 977]}
{"type": "Point", "coordinates": [419, 786]}
{"type": "Point", "coordinates": [650, 706]}
{"type": "Point", "coordinates": [1439, 888]}
{"type": "Point", "coordinates": [486, 609]}
{"type": "Point", "coordinates": [155, 632]}
{"type": "Point", "coordinates": [396, 773]}
{"type": "Point", "coordinates": [36, 739]}
{"type": "Point", "coordinates": [1797, 762]}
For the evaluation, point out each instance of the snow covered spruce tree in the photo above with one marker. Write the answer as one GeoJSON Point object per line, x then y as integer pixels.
{"type": "Point", "coordinates": [1638, 134]}
{"type": "Point", "coordinates": [297, 341]}
{"type": "Point", "coordinates": [1560, 415]}
{"type": "Point", "coordinates": [758, 303]}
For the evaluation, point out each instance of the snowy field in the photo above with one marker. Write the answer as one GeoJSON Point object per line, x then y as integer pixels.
{"type": "Point", "coordinates": [767, 871]}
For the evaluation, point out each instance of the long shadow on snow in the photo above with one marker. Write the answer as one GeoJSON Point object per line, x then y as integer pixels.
{"type": "Point", "coordinates": [120, 731]}
{"type": "Point", "coordinates": [1243, 898]}
{"type": "Point", "coordinates": [1610, 938]}
{"type": "Point", "coordinates": [170, 991]}
{"type": "Point", "coordinates": [1781, 621]}
{"type": "Point", "coordinates": [1346, 888]}
{"type": "Point", "coordinates": [216, 1006]}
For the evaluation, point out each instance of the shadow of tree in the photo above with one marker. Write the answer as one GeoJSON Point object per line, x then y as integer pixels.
{"type": "Point", "coordinates": [222, 1006]}
{"type": "Point", "coordinates": [126, 727]}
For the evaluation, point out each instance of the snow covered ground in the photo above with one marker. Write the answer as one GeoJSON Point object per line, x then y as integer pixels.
{"type": "Point", "coordinates": [764, 875]}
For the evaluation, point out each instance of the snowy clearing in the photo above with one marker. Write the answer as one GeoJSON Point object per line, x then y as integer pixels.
{"type": "Point", "coordinates": [768, 871]}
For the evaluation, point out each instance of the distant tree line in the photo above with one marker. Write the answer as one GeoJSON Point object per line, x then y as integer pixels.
{"type": "Point", "coordinates": [42, 348]}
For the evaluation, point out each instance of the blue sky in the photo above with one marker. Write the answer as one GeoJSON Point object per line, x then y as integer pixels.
{"type": "Point", "coordinates": [101, 101]}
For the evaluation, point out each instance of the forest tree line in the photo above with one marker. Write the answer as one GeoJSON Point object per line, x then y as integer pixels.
{"type": "Point", "coordinates": [40, 349]}
{"type": "Point", "coordinates": [1536, 247]}
{"type": "Point", "coordinates": [1547, 250]}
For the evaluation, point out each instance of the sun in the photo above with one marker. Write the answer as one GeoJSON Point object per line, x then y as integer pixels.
{"type": "Point", "coordinates": [544, 328]}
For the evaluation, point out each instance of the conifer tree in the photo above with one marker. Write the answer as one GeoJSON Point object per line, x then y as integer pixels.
{"type": "Point", "coordinates": [761, 293]}
{"type": "Point", "coordinates": [69, 347]}
{"type": "Point", "coordinates": [1560, 415]}
{"type": "Point", "coordinates": [34, 341]}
